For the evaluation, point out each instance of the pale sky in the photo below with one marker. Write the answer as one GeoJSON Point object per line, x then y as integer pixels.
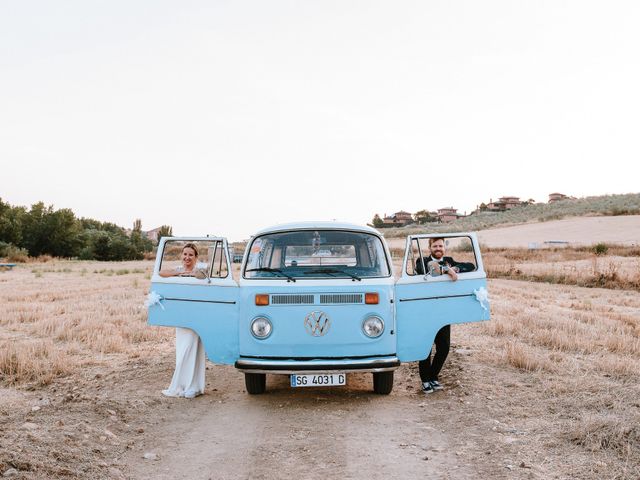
{"type": "Point", "coordinates": [225, 117]}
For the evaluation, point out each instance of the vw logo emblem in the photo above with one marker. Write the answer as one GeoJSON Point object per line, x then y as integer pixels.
{"type": "Point", "coordinates": [317, 324]}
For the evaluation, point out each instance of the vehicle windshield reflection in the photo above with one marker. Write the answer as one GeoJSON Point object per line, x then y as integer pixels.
{"type": "Point", "coordinates": [312, 254]}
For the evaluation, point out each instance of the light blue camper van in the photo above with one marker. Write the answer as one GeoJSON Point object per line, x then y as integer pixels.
{"type": "Point", "coordinates": [317, 301]}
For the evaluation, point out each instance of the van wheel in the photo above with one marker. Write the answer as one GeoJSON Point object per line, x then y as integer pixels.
{"type": "Point", "coordinates": [255, 382]}
{"type": "Point", "coordinates": [383, 382]}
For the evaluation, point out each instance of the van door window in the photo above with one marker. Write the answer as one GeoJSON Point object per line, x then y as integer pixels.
{"type": "Point", "coordinates": [457, 250]}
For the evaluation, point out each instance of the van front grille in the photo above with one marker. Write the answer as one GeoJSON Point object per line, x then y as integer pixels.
{"type": "Point", "coordinates": [320, 298]}
{"type": "Point", "coordinates": [292, 299]}
{"type": "Point", "coordinates": [340, 298]}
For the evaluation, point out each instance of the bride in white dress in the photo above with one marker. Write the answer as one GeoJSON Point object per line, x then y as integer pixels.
{"type": "Point", "coordinates": [189, 376]}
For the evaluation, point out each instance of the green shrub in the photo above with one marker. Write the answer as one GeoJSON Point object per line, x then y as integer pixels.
{"type": "Point", "coordinates": [600, 249]}
{"type": "Point", "coordinates": [86, 253]}
{"type": "Point", "coordinates": [13, 254]}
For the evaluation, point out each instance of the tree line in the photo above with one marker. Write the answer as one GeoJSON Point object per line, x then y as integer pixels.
{"type": "Point", "coordinates": [42, 230]}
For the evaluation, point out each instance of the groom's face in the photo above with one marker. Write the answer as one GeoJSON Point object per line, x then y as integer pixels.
{"type": "Point", "coordinates": [437, 249]}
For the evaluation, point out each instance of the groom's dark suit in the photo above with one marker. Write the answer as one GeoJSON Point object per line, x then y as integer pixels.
{"type": "Point", "coordinates": [449, 261]}
{"type": "Point", "coordinates": [430, 367]}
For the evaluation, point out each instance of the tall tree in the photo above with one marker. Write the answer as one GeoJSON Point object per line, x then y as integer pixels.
{"type": "Point", "coordinates": [11, 223]}
{"type": "Point", "coordinates": [422, 216]}
{"type": "Point", "coordinates": [140, 242]}
{"type": "Point", "coordinates": [165, 231]}
{"type": "Point", "coordinates": [64, 233]}
{"type": "Point", "coordinates": [47, 231]}
{"type": "Point", "coordinates": [101, 243]}
{"type": "Point", "coordinates": [35, 229]}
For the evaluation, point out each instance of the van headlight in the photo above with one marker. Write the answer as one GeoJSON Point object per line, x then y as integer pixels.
{"type": "Point", "coordinates": [373, 326]}
{"type": "Point", "coordinates": [261, 328]}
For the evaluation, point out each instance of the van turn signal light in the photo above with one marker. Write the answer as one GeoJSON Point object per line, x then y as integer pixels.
{"type": "Point", "coordinates": [371, 298]}
{"type": "Point", "coordinates": [262, 299]}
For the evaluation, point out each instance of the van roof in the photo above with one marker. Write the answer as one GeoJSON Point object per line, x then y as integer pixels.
{"type": "Point", "coordinates": [317, 226]}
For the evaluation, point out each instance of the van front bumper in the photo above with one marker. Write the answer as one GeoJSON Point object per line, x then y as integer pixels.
{"type": "Point", "coordinates": [302, 366]}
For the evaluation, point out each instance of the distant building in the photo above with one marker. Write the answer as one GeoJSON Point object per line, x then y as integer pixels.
{"type": "Point", "coordinates": [404, 217]}
{"type": "Point", "coordinates": [153, 234]}
{"type": "Point", "coordinates": [398, 219]}
{"type": "Point", "coordinates": [448, 214]}
{"type": "Point", "coordinates": [556, 197]}
{"type": "Point", "coordinates": [503, 203]}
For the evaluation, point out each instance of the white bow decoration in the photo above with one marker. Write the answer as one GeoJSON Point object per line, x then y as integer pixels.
{"type": "Point", "coordinates": [153, 298]}
{"type": "Point", "coordinates": [483, 297]}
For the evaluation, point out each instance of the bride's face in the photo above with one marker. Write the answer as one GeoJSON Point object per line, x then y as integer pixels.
{"type": "Point", "coordinates": [188, 258]}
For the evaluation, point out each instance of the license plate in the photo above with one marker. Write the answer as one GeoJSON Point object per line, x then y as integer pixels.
{"type": "Point", "coordinates": [321, 380]}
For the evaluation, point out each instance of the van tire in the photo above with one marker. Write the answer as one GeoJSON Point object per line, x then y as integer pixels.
{"type": "Point", "coordinates": [383, 382]}
{"type": "Point", "coordinates": [255, 382]}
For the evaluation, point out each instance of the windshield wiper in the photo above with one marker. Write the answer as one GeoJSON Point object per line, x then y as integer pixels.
{"type": "Point", "coordinates": [272, 270]}
{"type": "Point", "coordinates": [330, 271]}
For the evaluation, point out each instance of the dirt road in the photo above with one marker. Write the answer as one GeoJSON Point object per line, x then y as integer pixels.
{"type": "Point", "coordinates": [343, 432]}
{"type": "Point", "coordinates": [314, 433]}
{"type": "Point", "coordinates": [105, 423]}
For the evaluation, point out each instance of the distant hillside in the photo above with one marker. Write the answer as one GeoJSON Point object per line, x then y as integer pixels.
{"type": "Point", "coordinates": [627, 204]}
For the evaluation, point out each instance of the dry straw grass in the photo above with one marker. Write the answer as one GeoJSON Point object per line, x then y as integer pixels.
{"type": "Point", "coordinates": [59, 315]}
{"type": "Point", "coordinates": [37, 362]}
{"type": "Point", "coordinates": [582, 347]}
{"type": "Point", "coordinates": [521, 356]}
{"type": "Point", "coordinates": [604, 266]}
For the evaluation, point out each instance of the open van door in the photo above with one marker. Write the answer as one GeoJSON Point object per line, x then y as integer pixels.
{"type": "Point", "coordinates": [426, 296]}
{"type": "Point", "coordinates": [204, 300]}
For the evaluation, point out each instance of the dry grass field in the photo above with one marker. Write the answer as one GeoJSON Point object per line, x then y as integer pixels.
{"type": "Point", "coordinates": [62, 316]}
{"type": "Point", "coordinates": [619, 268]}
{"type": "Point", "coordinates": [548, 389]}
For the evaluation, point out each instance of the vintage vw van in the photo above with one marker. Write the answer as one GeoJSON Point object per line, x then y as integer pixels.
{"type": "Point", "coordinates": [317, 301]}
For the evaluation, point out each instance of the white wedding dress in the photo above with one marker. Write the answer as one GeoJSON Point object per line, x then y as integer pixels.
{"type": "Point", "coordinates": [188, 379]}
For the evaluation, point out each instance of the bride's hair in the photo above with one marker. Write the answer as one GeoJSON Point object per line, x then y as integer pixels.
{"type": "Point", "coordinates": [191, 246]}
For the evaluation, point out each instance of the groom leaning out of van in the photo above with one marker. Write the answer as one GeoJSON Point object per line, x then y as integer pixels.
{"type": "Point", "coordinates": [438, 264]}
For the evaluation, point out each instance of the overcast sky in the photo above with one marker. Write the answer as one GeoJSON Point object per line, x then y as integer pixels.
{"type": "Point", "coordinates": [224, 117]}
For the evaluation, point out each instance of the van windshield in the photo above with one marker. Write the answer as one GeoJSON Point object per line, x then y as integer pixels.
{"type": "Point", "coordinates": [306, 254]}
